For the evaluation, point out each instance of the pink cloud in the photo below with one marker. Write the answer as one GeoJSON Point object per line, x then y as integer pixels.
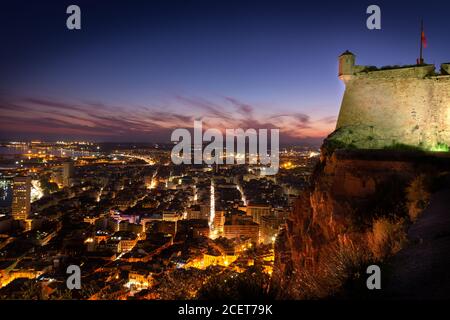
{"type": "Point", "coordinates": [37, 116]}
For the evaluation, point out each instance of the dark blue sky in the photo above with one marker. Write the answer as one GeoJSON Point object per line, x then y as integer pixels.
{"type": "Point", "coordinates": [138, 69]}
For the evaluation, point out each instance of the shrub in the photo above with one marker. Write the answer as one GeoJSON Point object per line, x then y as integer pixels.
{"type": "Point", "coordinates": [370, 68]}
{"type": "Point", "coordinates": [335, 264]}
{"type": "Point", "coordinates": [418, 196]}
{"type": "Point", "coordinates": [386, 238]}
{"type": "Point", "coordinates": [441, 147]}
{"type": "Point", "coordinates": [334, 269]}
{"type": "Point", "coordinates": [403, 147]}
{"type": "Point", "coordinates": [332, 144]}
{"type": "Point", "coordinates": [253, 283]}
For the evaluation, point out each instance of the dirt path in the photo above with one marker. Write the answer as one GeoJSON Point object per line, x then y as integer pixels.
{"type": "Point", "coordinates": [422, 270]}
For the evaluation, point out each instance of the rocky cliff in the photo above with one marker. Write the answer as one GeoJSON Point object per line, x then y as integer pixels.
{"type": "Point", "coordinates": [331, 220]}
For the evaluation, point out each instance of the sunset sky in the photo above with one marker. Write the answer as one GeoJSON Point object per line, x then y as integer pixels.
{"type": "Point", "coordinates": [139, 69]}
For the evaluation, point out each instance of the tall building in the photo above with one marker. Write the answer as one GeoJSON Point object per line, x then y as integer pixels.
{"type": "Point", "coordinates": [219, 221]}
{"type": "Point", "coordinates": [242, 228]}
{"type": "Point", "coordinates": [67, 171]}
{"type": "Point", "coordinates": [256, 211]}
{"type": "Point", "coordinates": [269, 228]}
{"type": "Point", "coordinates": [21, 203]}
{"type": "Point", "coordinates": [198, 212]}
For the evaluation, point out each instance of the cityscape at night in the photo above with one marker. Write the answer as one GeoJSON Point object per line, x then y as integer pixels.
{"type": "Point", "coordinates": [134, 221]}
{"type": "Point", "coordinates": [203, 151]}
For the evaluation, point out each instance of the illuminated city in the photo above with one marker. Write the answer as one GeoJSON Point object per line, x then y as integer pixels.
{"type": "Point", "coordinates": [205, 155]}
{"type": "Point", "coordinates": [133, 220]}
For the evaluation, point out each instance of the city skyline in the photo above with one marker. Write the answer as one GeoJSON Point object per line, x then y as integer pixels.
{"type": "Point", "coordinates": [135, 73]}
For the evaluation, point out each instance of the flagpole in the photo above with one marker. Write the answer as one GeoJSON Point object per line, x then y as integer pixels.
{"type": "Point", "coordinates": [421, 42]}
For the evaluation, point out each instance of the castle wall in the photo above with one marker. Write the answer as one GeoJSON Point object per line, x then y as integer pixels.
{"type": "Point", "coordinates": [385, 107]}
{"type": "Point", "coordinates": [445, 68]}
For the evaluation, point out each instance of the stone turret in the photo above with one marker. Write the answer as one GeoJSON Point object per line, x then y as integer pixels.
{"type": "Point", "coordinates": [346, 65]}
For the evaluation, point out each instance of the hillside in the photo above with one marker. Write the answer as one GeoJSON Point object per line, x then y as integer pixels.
{"type": "Point", "coordinates": [357, 212]}
{"type": "Point", "coordinates": [420, 271]}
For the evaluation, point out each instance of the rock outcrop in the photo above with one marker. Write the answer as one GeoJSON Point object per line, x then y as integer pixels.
{"type": "Point", "coordinates": [348, 189]}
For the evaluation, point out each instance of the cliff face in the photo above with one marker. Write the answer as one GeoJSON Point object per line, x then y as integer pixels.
{"type": "Point", "coordinates": [348, 189]}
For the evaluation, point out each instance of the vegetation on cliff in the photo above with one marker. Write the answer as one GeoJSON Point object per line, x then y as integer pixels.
{"type": "Point", "coordinates": [253, 283]}
{"type": "Point", "coordinates": [366, 137]}
{"type": "Point", "coordinates": [356, 213]}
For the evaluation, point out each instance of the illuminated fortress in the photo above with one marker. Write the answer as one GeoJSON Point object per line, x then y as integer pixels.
{"type": "Point", "coordinates": [391, 106]}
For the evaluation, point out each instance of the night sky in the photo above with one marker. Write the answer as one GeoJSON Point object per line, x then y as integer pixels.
{"type": "Point", "coordinates": [138, 69]}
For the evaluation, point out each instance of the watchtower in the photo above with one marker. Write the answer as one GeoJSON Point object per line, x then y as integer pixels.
{"type": "Point", "coordinates": [346, 65]}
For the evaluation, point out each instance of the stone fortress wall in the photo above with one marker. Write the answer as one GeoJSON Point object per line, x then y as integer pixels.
{"type": "Point", "coordinates": [399, 105]}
